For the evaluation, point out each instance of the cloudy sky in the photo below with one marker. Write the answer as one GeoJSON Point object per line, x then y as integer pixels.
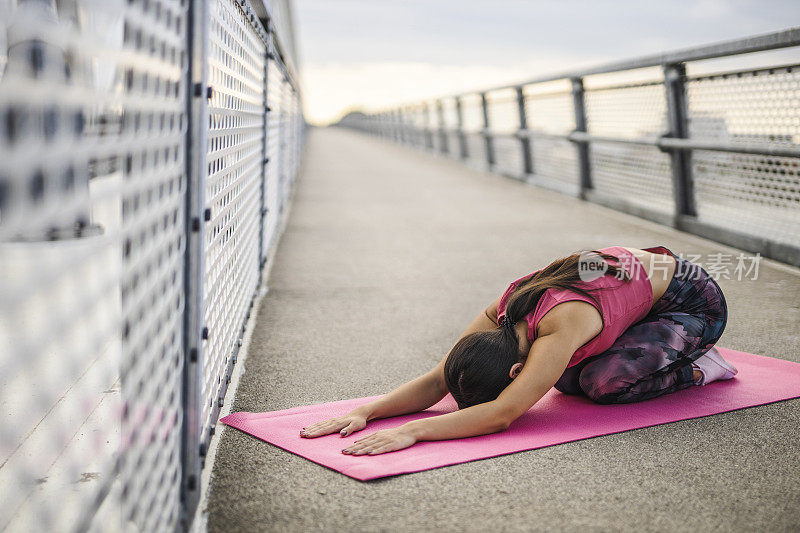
{"type": "Point", "coordinates": [373, 53]}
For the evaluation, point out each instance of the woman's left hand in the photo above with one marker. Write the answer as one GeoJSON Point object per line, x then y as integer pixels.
{"type": "Point", "coordinates": [383, 441]}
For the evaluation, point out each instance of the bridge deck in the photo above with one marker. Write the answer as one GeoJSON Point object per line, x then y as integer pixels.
{"type": "Point", "coordinates": [387, 255]}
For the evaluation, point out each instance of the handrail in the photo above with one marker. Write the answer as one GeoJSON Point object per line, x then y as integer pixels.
{"type": "Point", "coordinates": [758, 43]}
{"type": "Point", "coordinates": [769, 180]}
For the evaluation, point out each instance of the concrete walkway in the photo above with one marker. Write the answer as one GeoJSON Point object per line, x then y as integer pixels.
{"type": "Point", "coordinates": [387, 256]}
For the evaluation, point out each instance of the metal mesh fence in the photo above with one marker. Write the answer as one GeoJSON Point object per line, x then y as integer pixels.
{"type": "Point", "coordinates": [717, 154]}
{"type": "Point", "coordinates": [503, 114]}
{"type": "Point", "coordinates": [507, 155]}
{"type": "Point", "coordinates": [92, 180]}
{"type": "Point", "coordinates": [550, 113]}
{"type": "Point", "coordinates": [94, 240]}
{"type": "Point", "coordinates": [555, 165]}
{"type": "Point", "coordinates": [235, 156]}
{"type": "Point", "coordinates": [275, 154]}
{"type": "Point", "coordinates": [640, 175]}
{"type": "Point", "coordinates": [756, 194]}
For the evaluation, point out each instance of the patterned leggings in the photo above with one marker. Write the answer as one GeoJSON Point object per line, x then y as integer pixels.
{"type": "Point", "coordinates": [654, 356]}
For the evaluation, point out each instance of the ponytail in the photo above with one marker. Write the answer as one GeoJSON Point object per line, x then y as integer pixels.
{"type": "Point", "coordinates": [560, 274]}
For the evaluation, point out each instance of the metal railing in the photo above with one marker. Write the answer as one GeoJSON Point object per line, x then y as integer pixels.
{"type": "Point", "coordinates": [147, 156]}
{"type": "Point", "coordinates": [715, 154]}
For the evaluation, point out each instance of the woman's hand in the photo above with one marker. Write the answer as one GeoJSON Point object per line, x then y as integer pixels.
{"type": "Point", "coordinates": [345, 425]}
{"type": "Point", "coordinates": [383, 441]}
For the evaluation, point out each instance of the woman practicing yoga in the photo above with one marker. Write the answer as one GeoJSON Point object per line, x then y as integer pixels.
{"type": "Point", "coordinates": [617, 324]}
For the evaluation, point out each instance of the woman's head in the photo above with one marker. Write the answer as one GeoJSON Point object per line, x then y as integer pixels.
{"type": "Point", "coordinates": [481, 365]}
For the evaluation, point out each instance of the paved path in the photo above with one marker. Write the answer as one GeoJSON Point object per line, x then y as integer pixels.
{"type": "Point", "coordinates": [388, 254]}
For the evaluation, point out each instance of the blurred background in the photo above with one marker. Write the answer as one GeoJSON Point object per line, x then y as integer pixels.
{"type": "Point", "coordinates": [360, 54]}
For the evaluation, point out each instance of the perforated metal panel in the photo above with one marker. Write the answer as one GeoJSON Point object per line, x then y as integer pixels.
{"type": "Point", "coordinates": [742, 107]}
{"type": "Point", "coordinates": [92, 184]}
{"type": "Point", "coordinates": [507, 155]}
{"type": "Point", "coordinates": [285, 143]}
{"type": "Point", "coordinates": [471, 113]}
{"type": "Point", "coordinates": [549, 110]}
{"type": "Point", "coordinates": [416, 125]}
{"type": "Point", "coordinates": [449, 113]}
{"type": "Point", "coordinates": [503, 112]}
{"type": "Point", "coordinates": [640, 175]}
{"type": "Point", "coordinates": [274, 126]}
{"type": "Point", "coordinates": [627, 111]}
{"type": "Point", "coordinates": [555, 164]}
{"type": "Point", "coordinates": [757, 195]}
{"type": "Point", "coordinates": [236, 58]}
{"type": "Point", "coordinates": [472, 124]}
{"type": "Point", "coordinates": [96, 197]}
{"type": "Point", "coordinates": [476, 149]}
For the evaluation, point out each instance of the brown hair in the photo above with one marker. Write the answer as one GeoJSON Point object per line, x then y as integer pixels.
{"type": "Point", "coordinates": [477, 368]}
{"type": "Point", "coordinates": [560, 274]}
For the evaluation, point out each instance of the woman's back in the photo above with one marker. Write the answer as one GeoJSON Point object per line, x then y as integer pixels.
{"type": "Point", "coordinates": [659, 266]}
{"type": "Point", "coordinates": [619, 302]}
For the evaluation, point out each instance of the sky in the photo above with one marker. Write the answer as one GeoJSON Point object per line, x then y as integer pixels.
{"type": "Point", "coordinates": [370, 54]}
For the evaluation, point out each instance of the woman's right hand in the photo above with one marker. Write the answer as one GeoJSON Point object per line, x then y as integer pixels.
{"type": "Point", "coordinates": [345, 425]}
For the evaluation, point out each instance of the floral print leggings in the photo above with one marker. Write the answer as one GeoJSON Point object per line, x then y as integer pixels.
{"type": "Point", "coordinates": [654, 356]}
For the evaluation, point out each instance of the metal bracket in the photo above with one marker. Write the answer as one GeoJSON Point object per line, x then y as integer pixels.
{"type": "Point", "coordinates": [198, 91]}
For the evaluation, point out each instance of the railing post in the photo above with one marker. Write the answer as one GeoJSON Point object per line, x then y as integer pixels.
{"type": "Point", "coordinates": [406, 126]}
{"type": "Point", "coordinates": [677, 115]}
{"type": "Point", "coordinates": [419, 125]}
{"type": "Point", "coordinates": [525, 142]}
{"type": "Point", "coordinates": [398, 125]}
{"type": "Point", "coordinates": [463, 150]}
{"type": "Point", "coordinates": [487, 135]}
{"type": "Point", "coordinates": [444, 148]}
{"type": "Point", "coordinates": [398, 114]}
{"type": "Point", "coordinates": [426, 129]}
{"type": "Point", "coordinates": [194, 265]}
{"type": "Point", "coordinates": [262, 224]}
{"type": "Point", "coordinates": [584, 161]}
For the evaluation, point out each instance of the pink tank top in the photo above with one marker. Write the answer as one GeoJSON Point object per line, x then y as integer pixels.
{"type": "Point", "coordinates": [622, 303]}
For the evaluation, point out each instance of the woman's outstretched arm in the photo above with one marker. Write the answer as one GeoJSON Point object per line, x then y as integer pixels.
{"type": "Point", "coordinates": [550, 353]}
{"type": "Point", "coordinates": [539, 374]}
{"type": "Point", "coordinates": [416, 395]}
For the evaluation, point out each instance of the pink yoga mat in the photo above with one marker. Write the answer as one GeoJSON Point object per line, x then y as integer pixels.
{"type": "Point", "coordinates": [556, 419]}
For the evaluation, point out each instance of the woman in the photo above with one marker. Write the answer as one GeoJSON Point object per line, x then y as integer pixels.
{"type": "Point", "coordinates": [618, 325]}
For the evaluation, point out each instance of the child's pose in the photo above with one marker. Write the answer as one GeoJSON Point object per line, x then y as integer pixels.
{"type": "Point", "coordinates": [618, 325]}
